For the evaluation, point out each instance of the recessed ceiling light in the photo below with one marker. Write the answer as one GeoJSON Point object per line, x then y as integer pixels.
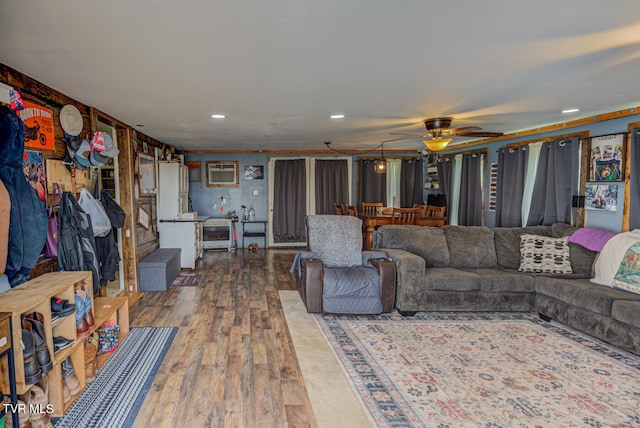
{"type": "Point", "coordinates": [337, 116]}
{"type": "Point", "coordinates": [218, 116]}
{"type": "Point", "coordinates": [571, 110]}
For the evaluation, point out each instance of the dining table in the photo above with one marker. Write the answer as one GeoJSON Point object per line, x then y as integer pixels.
{"type": "Point", "coordinates": [371, 222]}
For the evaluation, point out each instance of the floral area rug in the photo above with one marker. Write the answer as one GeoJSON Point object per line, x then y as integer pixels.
{"type": "Point", "coordinates": [483, 370]}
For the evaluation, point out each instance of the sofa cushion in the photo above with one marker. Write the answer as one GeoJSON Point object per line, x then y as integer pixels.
{"type": "Point", "coordinates": [543, 254]}
{"type": "Point", "coordinates": [427, 242]}
{"type": "Point", "coordinates": [470, 246]}
{"type": "Point", "coordinates": [626, 311]}
{"type": "Point", "coordinates": [581, 293]}
{"type": "Point", "coordinates": [451, 280]}
{"type": "Point", "coordinates": [507, 243]}
{"type": "Point", "coordinates": [503, 281]}
{"type": "Point", "coordinates": [336, 239]}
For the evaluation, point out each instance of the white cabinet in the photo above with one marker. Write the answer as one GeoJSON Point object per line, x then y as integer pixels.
{"type": "Point", "coordinates": [173, 190]}
{"type": "Point", "coordinates": [186, 235]}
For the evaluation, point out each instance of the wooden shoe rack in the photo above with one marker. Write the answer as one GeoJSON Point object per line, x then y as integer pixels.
{"type": "Point", "coordinates": [35, 296]}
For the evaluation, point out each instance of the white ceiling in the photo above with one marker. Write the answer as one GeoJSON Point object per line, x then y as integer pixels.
{"type": "Point", "coordinates": [279, 68]}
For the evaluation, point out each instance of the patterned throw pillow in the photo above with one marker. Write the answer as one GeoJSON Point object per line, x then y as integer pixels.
{"type": "Point", "coordinates": [628, 276]}
{"type": "Point", "coordinates": [543, 254]}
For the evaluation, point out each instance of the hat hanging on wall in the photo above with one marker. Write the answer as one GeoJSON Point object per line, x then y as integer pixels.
{"type": "Point", "coordinates": [73, 145]}
{"type": "Point", "coordinates": [103, 143]}
{"type": "Point", "coordinates": [71, 120]}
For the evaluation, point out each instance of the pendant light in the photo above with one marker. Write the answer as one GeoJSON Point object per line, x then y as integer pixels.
{"type": "Point", "coordinates": [380, 165]}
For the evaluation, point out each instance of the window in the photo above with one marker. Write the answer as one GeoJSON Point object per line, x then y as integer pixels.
{"type": "Point", "coordinates": [222, 174]}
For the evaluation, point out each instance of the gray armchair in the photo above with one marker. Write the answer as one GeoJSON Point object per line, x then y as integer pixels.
{"type": "Point", "coordinates": [336, 276]}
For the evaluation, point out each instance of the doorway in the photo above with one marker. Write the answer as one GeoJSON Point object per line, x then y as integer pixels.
{"type": "Point", "coordinates": [109, 181]}
{"type": "Point", "coordinates": [292, 190]}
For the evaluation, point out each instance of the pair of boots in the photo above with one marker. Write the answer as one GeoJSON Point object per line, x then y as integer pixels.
{"type": "Point", "coordinates": [84, 315]}
{"type": "Point", "coordinates": [37, 359]}
{"type": "Point", "coordinates": [70, 383]}
{"type": "Point", "coordinates": [37, 401]}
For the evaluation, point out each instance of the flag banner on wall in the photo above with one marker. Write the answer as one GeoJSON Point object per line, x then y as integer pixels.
{"type": "Point", "coordinates": [493, 186]}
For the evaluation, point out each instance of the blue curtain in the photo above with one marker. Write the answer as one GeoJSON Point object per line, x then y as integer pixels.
{"type": "Point", "coordinates": [512, 164]}
{"type": "Point", "coordinates": [556, 182]}
{"type": "Point", "coordinates": [470, 211]}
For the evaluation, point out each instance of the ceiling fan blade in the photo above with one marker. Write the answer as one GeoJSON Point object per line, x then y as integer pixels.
{"type": "Point", "coordinates": [480, 134]}
{"type": "Point", "coordinates": [461, 130]}
{"type": "Point", "coordinates": [415, 134]}
{"type": "Point", "coordinates": [408, 137]}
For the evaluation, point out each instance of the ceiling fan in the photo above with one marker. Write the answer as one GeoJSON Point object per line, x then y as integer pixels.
{"type": "Point", "coordinates": [439, 134]}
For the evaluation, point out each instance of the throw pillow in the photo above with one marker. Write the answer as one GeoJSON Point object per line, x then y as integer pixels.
{"type": "Point", "coordinates": [542, 254]}
{"type": "Point", "coordinates": [607, 263]}
{"type": "Point", "coordinates": [591, 238]}
{"type": "Point", "coordinates": [627, 277]}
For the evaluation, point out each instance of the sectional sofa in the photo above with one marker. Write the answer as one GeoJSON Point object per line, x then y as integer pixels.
{"type": "Point", "coordinates": [472, 268]}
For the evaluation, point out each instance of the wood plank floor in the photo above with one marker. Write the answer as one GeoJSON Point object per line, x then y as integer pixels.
{"type": "Point", "coordinates": [232, 363]}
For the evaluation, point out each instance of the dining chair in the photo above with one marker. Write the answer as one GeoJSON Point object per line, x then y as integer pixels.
{"type": "Point", "coordinates": [405, 215]}
{"type": "Point", "coordinates": [423, 208]}
{"type": "Point", "coordinates": [352, 210]}
{"type": "Point", "coordinates": [432, 211]}
{"type": "Point", "coordinates": [370, 208]}
{"type": "Point", "coordinates": [339, 209]}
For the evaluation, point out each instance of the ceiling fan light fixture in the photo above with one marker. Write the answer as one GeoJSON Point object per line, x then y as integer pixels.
{"type": "Point", "coordinates": [437, 144]}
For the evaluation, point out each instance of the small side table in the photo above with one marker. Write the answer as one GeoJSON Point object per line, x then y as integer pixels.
{"type": "Point", "coordinates": [6, 351]}
{"type": "Point", "coordinates": [259, 234]}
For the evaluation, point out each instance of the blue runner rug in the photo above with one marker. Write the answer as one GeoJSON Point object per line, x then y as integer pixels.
{"type": "Point", "coordinates": [114, 398]}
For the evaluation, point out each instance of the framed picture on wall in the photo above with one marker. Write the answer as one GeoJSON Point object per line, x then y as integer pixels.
{"type": "Point", "coordinates": [601, 197]}
{"type": "Point", "coordinates": [254, 172]}
{"type": "Point", "coordinates": [606, 157]}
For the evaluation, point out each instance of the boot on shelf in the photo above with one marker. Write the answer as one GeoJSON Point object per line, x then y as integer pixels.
{"type": "Point", "coordinates": [69, 377]}
{"type": "Point", "coordinates": [82, 326]}
{"type": "Point", "coordinates": [88, 313]}
{"type": "Point", "coordinates": [23, 417]}
{"type": "Point", "coordinates": [32, 372]}
{"type": "Point", "coordinates": [90, 352]}
{"type": "Point", "coordinates": [34, 323]}
{"type": "Point", "coordinates": [37, 399]}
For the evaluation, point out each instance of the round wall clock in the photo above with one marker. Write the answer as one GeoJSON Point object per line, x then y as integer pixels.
{"type": "Point", "coordinates": [71, 120]}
